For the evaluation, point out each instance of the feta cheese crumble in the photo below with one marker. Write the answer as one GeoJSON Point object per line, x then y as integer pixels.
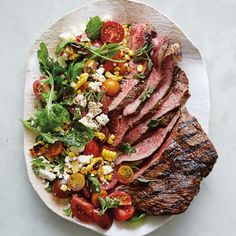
{"type": "Point", "coordinates": [107, 170]}
{"type": "Point", "coordinates": [95, 86]}
{"type": "Point", "coordinates": [81, 100]}
{"type": "Point", "coordinates": [45, 174]}
{"type": "Point", "coordinates": [87, 121]}
{"type": "Point", "coordinates": [85, 159]}
{"type": "Point", "coordinates": [94, 109]}
{"type": "Point", "coordinates": [102, 119]}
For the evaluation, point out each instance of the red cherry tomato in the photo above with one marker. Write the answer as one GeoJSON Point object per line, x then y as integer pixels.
{"type": "Point", "coordinates": [110, 65]}
{"type": "Point", "coordinates": [104, 221]}
{"type": "Point", "coordinates": [92, 148]}
{"type": "Point", "coordinates": [81, 209]}
{"type": "Point", "coordinates": [39, 87]}
{"type": "Point", "coordinates": [95, 196]}
{"type": "Point", "coordinates": [123, 68]}
{"type": "Point", "coordinates": [123, 213]}
{"type": "Point", "coordinates": [124, 198]}
{"type": "Point", "coordinates": [56, 189]}
{"type": "Point", "coordinates": [54, 149]}
{"type": "Point", "coordinates": [112, 32]}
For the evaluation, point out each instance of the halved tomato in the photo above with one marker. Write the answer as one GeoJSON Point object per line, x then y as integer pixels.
{"type": "Point", "coordinates": [124, 198]}
{"type": "Point", "coordinates": [123, 68]}
{"type": "Point", "coordinates": [54, 149]}
{"type": "Point", "coordinates": [123, 213]}
{"type": "Point", "coordinates": [39, 87]}
{"type": "Point", "coordinates": [110, 65]}
{"type": "Point", "coordinates": [124, 174]}
{"type": "Point", "coordinates": [92, 148]}
{"type": "Point", "coordinates": [104, 221]}
{"type": "Point", "coordinates": [112, 32]}
{"type": "Point", "coordinates": [56, 189]}
{"type": "Point", "coordinates": [95, 196]}
{"type": "Point", "coordinates": [81, 209]}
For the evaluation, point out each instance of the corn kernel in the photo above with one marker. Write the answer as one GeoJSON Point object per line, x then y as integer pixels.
{"type": "Point", "coordinates": [94, 172]}
{"type": "Point", "coordinates": [75, 166]}
{"type": "Point", "coordinates": [101, 136]}
{"type": "Point", "coordinates": [64, 188]}
{"type": "Point", "coordinates": [117, 68]}
{"type": "Point", "coordinates": [108, 177]}
{"type": "Point", "coordinates": [111, 139]}
{"type": "Point", "coordinates": [140, 68]}
{"type": "Point", "coordinates": [131, 53]}
{"type": "Point", "coordinates": [119, 78]}
{"type": "Point", "coordinates": [79, 91]}
{"type": "Point", "coordinates": [108, 75]}
{"type": "Point", "coordinates": [71, 154]}
{"type": "Point", "coordinates": [83, 171]}
{"type": "Point", "coordinates": [109, 155]}
{"type": "Point", "coordinates": [125, 41]}
{"type": "Point", "coordinates": [82, 79]}
{"type": "Point", "coordinates": [89, 168]}
{"type": "Point", "coordinates": [117, 73]}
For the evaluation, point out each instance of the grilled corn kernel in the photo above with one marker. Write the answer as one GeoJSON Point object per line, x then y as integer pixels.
{"type": "Point", "coordinates": [75, 166]}
{"type": "Point", "coordinates": [64, 188]}
{"type": "Point", "coordinates": [79, 91]}
{"type": "Point", "coordinates": [109, 155]}
{"type": "Point", "coordinates": [71, 154]}
{"type": "Point", "coordinates": [101, 136]}
{"type": "Point", "coordinates": [108, 177]}
{"type": "Point", "coordinates": [125, 41]}
{"type": "Point", "coordinates": [131, 53]}
{"type": "Point", "coordinates": [117, 73]}
{"type": "Point", "coordinates": [117, 68]}
{"type": "Point", "coordinates": [111, 139]}
{"type": "Point", "coordinates": [84, 171]}
{"type": "Point", "coordinates": [140, 68]}
{"type": "Point", "coordinates": [96, 160]}
{"type": "Point", "coordinates": [82, 79]}
{"type": "Point", "coordinates": [94, 172]}
{"type": "Point", "coordinates": [89, 168]}
{"type": "Point", "coordinates": [127, 57]}
{"type": "Point", "coordinates": [108, 74]}
{"type": "Point", "coordinates": [119, 78]}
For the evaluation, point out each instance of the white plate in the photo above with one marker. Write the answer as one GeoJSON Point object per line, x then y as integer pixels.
{"type": "Point", "coordinates": [129, 12]}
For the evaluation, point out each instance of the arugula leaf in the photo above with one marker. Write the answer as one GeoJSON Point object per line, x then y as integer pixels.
{"type": "Point", "coordinates": [68, 211]}
{"type": "Point", "coordinates": [154, 123]}
{"type": "Point", "coordinates": [49, 187]}
{"type": "Point", "coordinates": [96, 185]}
{"type": "Point", "coordinates": [62, 44]}
{"type": "Point", "coordinates": [137, 218]}
{"type": "Point", "coordinates": [146, 94]}
{"type": "Point", "coordinates": [143, 53]}
{"type": "Point", "coordinates": [43, 54]}
{"type": "Point", "coordinates": [93, 27]}
{"type": "Point", "coordinates": [93, 96]}
{"type": "Point", "coordinates": [75, 69]}
{"type": "Point", "coordinates": [127, 148]}
{"type": "Point", "coordinates": [39, 163]}
{"type": "Point", "coordinates": [108, 203]}
{"type": "Point", "coordinates": [139, 76]}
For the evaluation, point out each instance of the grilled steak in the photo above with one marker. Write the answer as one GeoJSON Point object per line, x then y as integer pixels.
{"type": "Point", "coordinates": [122, 125]}
{"type": "Point", "coordinates": [177, 96]}
{"type": "Point", "coordinates": [149, 145]}
{"type": "Point", "coordinates": [177, 169]}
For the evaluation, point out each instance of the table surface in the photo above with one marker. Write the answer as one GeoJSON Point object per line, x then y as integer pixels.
{"type": "Point", "coordinates": [211, 25]}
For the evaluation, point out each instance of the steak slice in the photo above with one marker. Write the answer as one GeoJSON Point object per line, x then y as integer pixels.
{"type": "Point", "coordinates": [177, 96]}
{"type": "Point", "coordinates": [149, 145]}
{"type": "Point", "coordinates": [177, 168]}
{"type": "Point", "coordinates": [122, 126]}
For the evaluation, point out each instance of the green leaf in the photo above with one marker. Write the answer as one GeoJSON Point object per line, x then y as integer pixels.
{"type": "Point", "coordinates": [68, 211]}
{"type": "Point", "coordinates": [154, 123]}
{"type": "Point", "coordinates": [127, 148]}
{"type": "Point", "coordinates": [75, 69]}
{"type": "Point", "coordinates": [43, 53]}
{"type": "Point", "coordinates": [139, 76]}
{"type": "Point", "coordinates": [39, 163]}
{"type": "Point", "coordinates": [93, 27]}
{"type": "Point", "coordinates": [146, 94]}
{"type": "Point", "coordinates": [137, 218]}
{"type": "Point", "coordinates": [145, 181]}
{"type": "Point", "coordinates": [108, 203]}
{"type": "Point", "coordinates": [95, 183]}
{"type": "Point", "coordinates": [62, 44]}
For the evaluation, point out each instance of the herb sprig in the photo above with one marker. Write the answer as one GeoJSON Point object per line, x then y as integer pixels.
{"type": "Point", "coordinates": [146, 94]}
{"type": "Point", "coordinates": [108, 203]}
{"type": "Point", "coordinates": [127, 148]}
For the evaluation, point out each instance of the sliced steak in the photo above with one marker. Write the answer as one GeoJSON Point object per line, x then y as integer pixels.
{"type": "Point", "coordinates": [177, 96]}
{"type": "Point", "coordinates": [149, 145]}
{"type": "Point", "coordinates": [176, 170]}
{"type": "Point", "coordinates": [122, 126]}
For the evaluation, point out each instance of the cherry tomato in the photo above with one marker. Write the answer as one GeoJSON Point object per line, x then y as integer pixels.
{"type": "Point", "coordinates": [123, 68]}
{"type": "Point", "coordinates": [112, 87]}
{"type": "Point", "coordinates": [38, 150]}
{"type": "Point", "coordinates": [39, 87]}
{"type": "Point", "coordinates": [125, 174]}
{"type": "Point", "coordinates": [97, 43]}
{"type": "Point", "coordinates": [124, 198]}
{"type": "Point", "coordinates": [81, 209]}
{"type": "Point", "coordinates": [92, 148]}
{"type": "Point", "coordinates": [110, 65]}
{"type": "Point", "coordinates": [123, 213]}
{"type": "Point", "coordinates": [104, 221]}
{"type": "Point", "coordinates": [112, 32]}
{"type": "Point", "coordinates": [56, 189]}
{"type": "Point", "coordinates": [54, 149]}
{"type": "Point", "coordinates": [90, 66]}
{"type": "Point", "coordinates": [76, 182]}
{"type": "Point", "coordinates": [95, 196]}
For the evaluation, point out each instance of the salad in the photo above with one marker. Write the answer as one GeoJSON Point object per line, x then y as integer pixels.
{"type": "Point", "coordinates": [73, 151]}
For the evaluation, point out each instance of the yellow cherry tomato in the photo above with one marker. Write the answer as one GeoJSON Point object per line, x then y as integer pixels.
{"type": "Point", "coordinates": [112, 87]}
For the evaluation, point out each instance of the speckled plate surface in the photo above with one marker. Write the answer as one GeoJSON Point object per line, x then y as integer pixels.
{"type": "Point", "coordinates": [125, 12]}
